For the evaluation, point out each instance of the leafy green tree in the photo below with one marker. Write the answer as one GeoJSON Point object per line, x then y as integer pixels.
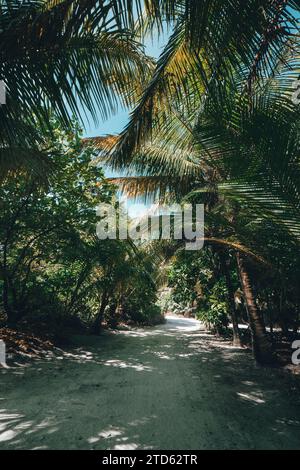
{"type": "Point", "coordinates": [235, 151]}
{"type": "Point", "coordinates": [45, 228]}
{"type": "Point", "coordinates": [197, 279]}
{"type": "Point", "coordinates": [54, 269]}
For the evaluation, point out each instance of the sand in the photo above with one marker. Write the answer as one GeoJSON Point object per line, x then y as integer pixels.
{"type": "Point", "coordinates": [173, 386]}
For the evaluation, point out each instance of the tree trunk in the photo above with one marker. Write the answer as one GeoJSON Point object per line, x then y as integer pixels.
{"type": "Point", "coordinates": [112, 315]}
{"type": "Point", "coordinates": [97, 325]}
{"type": "Point", "coordinates": [231, 302]}
{"type": "Point", "coordinates": [9, 306]}
{"type": "Point", "coordinates": [262, 348]}
{"type": "Point", "coordinates": [6, 305]}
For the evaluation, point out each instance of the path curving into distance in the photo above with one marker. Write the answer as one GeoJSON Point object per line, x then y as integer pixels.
{"type": "Point", "coordinates": [173, 386]}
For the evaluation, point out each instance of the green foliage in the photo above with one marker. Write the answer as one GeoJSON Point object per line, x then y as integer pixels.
{"type": "Point", "coordinates": [214, 123]}
{"type": "Point", "coordinates": [53, 266]}
{"type": "Point", "coordinates": [67, 56]}
{"type": "Point", "coordinates": [210, 41]}
{"type": "Point", "coordinates": [233, 148]}
{"type": "Point", "coordinates": [195, 280]}
{"type": "Point", "coordinates": [143, 308]}
{"type": "Point", "coordinates": [213, 309]}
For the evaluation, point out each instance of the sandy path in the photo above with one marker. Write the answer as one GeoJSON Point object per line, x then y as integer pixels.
{"type": "Point", "coordinates": [169, 387]}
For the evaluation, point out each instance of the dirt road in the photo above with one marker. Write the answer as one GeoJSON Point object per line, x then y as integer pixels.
{"type": "Point", "coordinates": [169, 387]}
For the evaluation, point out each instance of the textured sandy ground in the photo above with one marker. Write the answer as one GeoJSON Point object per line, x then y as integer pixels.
{"type": "Point", "coordinates": [169, 387]}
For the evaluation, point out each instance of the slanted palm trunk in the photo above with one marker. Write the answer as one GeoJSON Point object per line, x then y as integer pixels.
{"type": "Point", "coordinates": [262, 348]}
{"type": "Point", "coordinates": [231, 302]}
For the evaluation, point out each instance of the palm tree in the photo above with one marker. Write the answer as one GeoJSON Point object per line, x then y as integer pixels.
{"type": "Point", "coordinates": [261, 346]}
{"type": "Point", "coordinates": [241, 151]}
{"type": "Point", "coordinates": [65, 57]}
{"type": "Point", "coordinates": [209, 42]}
{"type": "Point", "coordinates": [217, 118]}
{"type": "Point", "coordinates": [224, 261]}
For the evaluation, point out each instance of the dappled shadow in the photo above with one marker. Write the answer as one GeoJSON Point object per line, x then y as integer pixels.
{"type": "Point", "coordinates": [170, 387]}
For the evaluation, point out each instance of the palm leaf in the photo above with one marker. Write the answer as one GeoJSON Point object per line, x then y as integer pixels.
{"type": "Point", "coordinates": [73, 57]}
{"type": "Point", "coordinates": [211, 40]}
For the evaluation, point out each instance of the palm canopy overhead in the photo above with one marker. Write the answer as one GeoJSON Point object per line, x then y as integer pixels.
{"type": "Point", "coordinates": [210, 40]}
{"type": "Point", "coordinates": [218, 110]}
{"type": "Point", "coordinates": [70, 56]}
{"type": "Point", "coordinates": [243, 147]}
{"type": "Point", "coordinates": [255, 143]}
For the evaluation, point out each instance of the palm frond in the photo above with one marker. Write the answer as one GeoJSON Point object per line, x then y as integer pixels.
{"type": "Point", "coordinates": [152, 188]}
{"type": "Point", "coordinates": [266, 204]}
{"type": "Point", "coordinates": [176, 71]}
{"type": "Point", "coordinates": [73, 57]}
{"type": "Point", "coordinates": [27, 160]}
{"type": "Point", "coordinates": [211, 40]}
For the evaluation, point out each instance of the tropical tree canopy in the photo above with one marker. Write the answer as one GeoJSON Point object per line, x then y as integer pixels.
{"type": "Point", "coordinates": [67, 58]}
{"type": "Point", "coordinates": [213, 121]}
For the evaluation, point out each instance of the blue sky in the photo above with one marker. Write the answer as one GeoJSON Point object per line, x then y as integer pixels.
{"type": "Point", "coordinates": [115, 124]}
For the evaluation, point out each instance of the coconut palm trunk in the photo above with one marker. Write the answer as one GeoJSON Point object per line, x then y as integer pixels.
{"type": "Point", "coordinates": [231, 302]}
{"type": "Point", "coordinates": [262, 348]}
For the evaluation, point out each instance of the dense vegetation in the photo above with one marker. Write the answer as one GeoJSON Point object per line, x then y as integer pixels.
{"type": "Point", "coordinates": [55, 271]}
{"type": "Point", "coordinates": [213, 122]}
